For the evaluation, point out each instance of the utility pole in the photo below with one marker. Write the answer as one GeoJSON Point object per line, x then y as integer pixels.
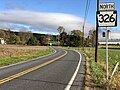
{"type": "Point", "coordinates": [96, 46]}
{"type": "Point", "coordinates": [83, 39]}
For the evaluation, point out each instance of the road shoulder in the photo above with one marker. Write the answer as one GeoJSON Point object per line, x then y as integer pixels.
{"type": "Point", "coordinates": [79, 81]}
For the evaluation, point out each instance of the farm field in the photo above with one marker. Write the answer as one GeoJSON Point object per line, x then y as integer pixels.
{"type": "Point", "coordinates": [10, 54]}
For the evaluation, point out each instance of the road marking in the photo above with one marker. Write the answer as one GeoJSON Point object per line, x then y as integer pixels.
{"type": "Point", "coordinates": [30, 70]}
{"type": "Point", "coordinates": [74, 75]}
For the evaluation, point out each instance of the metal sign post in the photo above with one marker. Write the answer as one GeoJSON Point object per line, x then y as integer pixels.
{"type": "Point", "coordinates": [106, 54]}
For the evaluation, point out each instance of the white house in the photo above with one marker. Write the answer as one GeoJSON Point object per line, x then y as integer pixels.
{"type": "Point", "coordinates": [111, 42]}
{"type": "Point", "coordinates": [2, 41]}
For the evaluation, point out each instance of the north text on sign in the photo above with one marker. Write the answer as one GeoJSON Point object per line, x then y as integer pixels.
{"type": "Point", "coordinates": [106, 6]}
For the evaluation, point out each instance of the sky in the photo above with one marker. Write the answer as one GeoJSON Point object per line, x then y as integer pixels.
{"type": "Point", "coordinates": [45, 16]}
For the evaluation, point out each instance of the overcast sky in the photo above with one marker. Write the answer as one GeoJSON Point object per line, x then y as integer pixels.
{"type": "Point", "coordinates": [44, 16]}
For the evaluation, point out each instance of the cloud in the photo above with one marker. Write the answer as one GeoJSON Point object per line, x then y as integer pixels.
{"type": "Point", "coordinates": [4, 25]}
{"type": "Point", "coordinates": [43, 21]}
{"type": "Point", "coordinates": [115, 34]}
{"type": "Point", "coordinates": [14, 27]}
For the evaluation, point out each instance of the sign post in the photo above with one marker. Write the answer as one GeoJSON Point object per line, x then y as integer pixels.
{"type": "Point", "coordinates": [96, 43]}
{"type": "Point", "coordinates": [106, 54]}
{"type": "Point", "coordinates": [107, 17]}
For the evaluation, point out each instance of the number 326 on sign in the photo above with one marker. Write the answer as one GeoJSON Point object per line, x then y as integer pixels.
{"type": "Point", "coordinates": [107, 18]}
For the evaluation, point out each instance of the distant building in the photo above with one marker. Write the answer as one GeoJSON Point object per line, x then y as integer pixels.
{"type": "Point", "coordinates": [2, 41]}
{"type": "Point", "coordinates": [110, 42]}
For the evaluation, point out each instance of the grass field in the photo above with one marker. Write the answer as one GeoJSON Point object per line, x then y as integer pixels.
{"type": "Point", "coordinates": [13, 53]}
{"type": "Point", "coordinates": [98, 70]}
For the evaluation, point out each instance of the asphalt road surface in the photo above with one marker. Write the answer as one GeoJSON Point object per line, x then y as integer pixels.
{"type": "Point", "coordinates": [53, 72]}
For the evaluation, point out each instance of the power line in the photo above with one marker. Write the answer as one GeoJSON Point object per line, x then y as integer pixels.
{"type": "Point", "coordinates": [86, 11]}
{"type": "Point", "coordinates": [85, 17]}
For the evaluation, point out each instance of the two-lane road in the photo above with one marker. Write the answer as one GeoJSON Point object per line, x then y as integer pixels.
{"type": "Point", "coordinates": [52, 72]}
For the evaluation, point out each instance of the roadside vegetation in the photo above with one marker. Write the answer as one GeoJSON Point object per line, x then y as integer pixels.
{"type": "Point", "coordinates": [14, 53]}
{"type": "Point", "coordinates": [98, 70]}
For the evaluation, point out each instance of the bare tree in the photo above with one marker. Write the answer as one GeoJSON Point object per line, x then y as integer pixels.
{"type": "Point", "coordinates": [60, 29]}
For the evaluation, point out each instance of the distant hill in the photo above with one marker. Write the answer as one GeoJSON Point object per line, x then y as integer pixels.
{"type": "Point", "coordinates": [12, 37]}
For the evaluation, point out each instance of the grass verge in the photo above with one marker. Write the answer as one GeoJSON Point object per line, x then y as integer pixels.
{"type": "Point", "coordinates": [98, 70]}
{"type": "Point", "coordinates": [12, 60]}
{"type": "Point", "coordinates": [97, 73]}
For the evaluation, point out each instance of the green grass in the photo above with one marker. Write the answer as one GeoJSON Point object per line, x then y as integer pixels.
{"type": "Point", "coordinates": [98, 72]}
{"type": "Point", "coordinates": [114, 56]}
{"type": "Point", "coordinates": [12, 60]}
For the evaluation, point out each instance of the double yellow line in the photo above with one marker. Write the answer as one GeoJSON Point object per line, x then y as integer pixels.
{"type": "Point", "coordinates": [30, 70]}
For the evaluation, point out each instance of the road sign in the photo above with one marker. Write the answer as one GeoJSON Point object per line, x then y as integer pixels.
{"type": "Point", "coordinates": [107, 18]}
{"type": "Point", "coordinates": [106, 6]}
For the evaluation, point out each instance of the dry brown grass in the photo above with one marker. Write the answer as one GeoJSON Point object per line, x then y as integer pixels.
{"type": "Point", "coordinates": [115, 82]}
{"type": "Point", "coordinates": [17, 50]}
{"type": "Point", "coordinates": [87, 76]}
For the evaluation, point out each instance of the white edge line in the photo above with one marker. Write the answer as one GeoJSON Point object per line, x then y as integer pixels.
{"type": "Point", "coordinates": [28, 60]}
{"type": "Point", "coordinates": [75, 73]}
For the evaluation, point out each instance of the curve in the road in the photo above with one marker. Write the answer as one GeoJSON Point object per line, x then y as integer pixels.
{"type": "Point", "coordinates": [74, 75]}
{"type": "Point", "coordinates": [31, 69]}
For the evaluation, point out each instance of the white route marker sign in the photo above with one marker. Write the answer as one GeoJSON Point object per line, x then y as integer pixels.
{"type": "Point", "coordinates": [107, 18]}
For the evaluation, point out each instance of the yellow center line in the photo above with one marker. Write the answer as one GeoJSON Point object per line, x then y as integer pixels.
{"type": "Point", "coordinates": [30, 70]}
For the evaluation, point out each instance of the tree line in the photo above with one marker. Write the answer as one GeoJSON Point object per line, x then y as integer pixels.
{"type": "Point", "coordinates": [75, 38]}
{"type": "Point", "coordinates": [22, 38]}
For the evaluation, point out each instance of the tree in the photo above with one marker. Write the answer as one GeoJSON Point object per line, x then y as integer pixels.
{"type": "Point", "coordinates": [9, 36]}
{"type": "Point", "coordinates": [63, 38]}
{"type": "Point", "coordinates": [2, 34]}
{"type": "Point", "coordinates": [74, 41]}
{"type": "Point", "coordinates": [25, 36]}
{"type": "Point", "coordinates": [12, 38]}
{"type": "Point", "coordinates": [75, 38]}
{"type": "Point", "coordinates": [44, 40]}
{"type": "Point", "coordinates": [61, 29]}
{"type": "Point", "coordinates": [33, 41]}
{"type": "Point", "coordinates": [76, 33]}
